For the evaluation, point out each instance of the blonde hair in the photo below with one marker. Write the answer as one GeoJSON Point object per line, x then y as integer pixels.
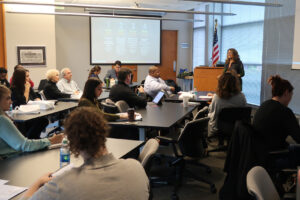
{"type": "Point", "coordinates": [152, 69]}
{"type": "Point", "coordinates": [51, 73]}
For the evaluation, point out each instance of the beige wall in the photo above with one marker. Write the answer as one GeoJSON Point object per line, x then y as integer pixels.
{"type": "Point", "coordinates": [30, 30]}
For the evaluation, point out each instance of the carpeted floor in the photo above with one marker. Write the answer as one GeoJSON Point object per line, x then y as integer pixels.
{"type": "Point", "coordinates": [191, 189]}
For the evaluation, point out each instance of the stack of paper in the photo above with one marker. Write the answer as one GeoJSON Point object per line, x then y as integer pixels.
{"type": "Point", "coordinates": [9, 191]}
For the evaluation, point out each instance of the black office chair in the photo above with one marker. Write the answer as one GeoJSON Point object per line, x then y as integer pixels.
{"type": "Point", "coordinates": [42, 84]}
{"type": "Point", "coordinates": [225, 123]}
{"type": "Point", "coordinates": [189, 148]}
{"type": "Point", "coordinates": [172, 83]}
{"type": "Point", "coordinates": [109, 108]}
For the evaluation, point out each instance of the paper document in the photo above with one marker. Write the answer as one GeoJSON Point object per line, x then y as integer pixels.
{"type": "Point", "coordinates": [27, 109]}
{"type": "Point", "coordinates": [138, 117]}
{"type": "Point", "coordinates": [9, 191]}
{"type": "Point", "coordinates": [2, 182]}
{"type": "Point", "coordinates": [205, 97]}
{"type": "Point", "coordinates": [63, 169]}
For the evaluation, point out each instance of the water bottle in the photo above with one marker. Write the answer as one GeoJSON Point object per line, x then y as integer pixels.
{"type": "Point", "coordinates": [64, 153]}
{"type": "Point", "coordinates": [10, 111]}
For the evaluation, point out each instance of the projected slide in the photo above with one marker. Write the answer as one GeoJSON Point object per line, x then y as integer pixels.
{"type": "Point", "coordinates": [132, 41]}
{"type": "Point", "coordinates": [296, 53]}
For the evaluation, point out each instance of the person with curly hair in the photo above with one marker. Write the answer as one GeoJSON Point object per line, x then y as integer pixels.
{"type": "Point", "coordinates": [228, 94]}
{"type": "Point", "coordinates": [233, 63]}
{"type": "Point", "coordinates": [102, 176]}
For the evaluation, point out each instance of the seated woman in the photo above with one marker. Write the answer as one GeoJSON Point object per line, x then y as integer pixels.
{"type": "Point", "coordinates": [21, 89]}
{"type": "Point", "coordinates": [228, 94]}
{"type": "Point", "coordinates": [102, 176]}
{"type": "Point", "coordinates": [51, 91]}
{"type": "Point", "coordinates": [95, 71]}
{"type": "Point", "coordinates": [11, 140]}
{"type": "Point", "coordinates": [92, 90]}
{"type": "Point", "coordinates": [274, 120]}
{"type": "Point", "coordinates": [22, 92]}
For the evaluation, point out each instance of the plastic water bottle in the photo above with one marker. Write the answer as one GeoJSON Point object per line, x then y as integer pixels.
{"type": "Point", "coordinates": [64, 153]}
{"type": "Point", "coordinates": [10, 111]}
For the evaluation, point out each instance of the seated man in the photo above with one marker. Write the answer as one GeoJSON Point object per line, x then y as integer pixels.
{"type": "Point", "coordinates": [122, 91]}
{"type": "Point", "coordinates": [3, 80]}
{"type": "Point", "coordinates": [66, 84]}
{"type": "Point", "coordinates": [153, 83]}
{"type": "Point", "coordinates": [113, 73]}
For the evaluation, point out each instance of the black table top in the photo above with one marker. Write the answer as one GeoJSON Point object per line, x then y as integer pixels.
{"type": "Point", "coordinates": [25, 169]}
{"type": "Point", "coordinates": [59, 107]}
{"type": "Point", "coordinates": [175, 98]}
{"type": "Point", "coordinates": [155, 116]}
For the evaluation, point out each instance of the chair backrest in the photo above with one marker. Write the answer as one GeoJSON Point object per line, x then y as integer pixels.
{"type": "Point", "coordinates": [122, 106]}
{"type": "Point", "coordinates": [192, 138]}
{"type": "Point", "coordinates": [228, 116]}
{"type": "Point", "coordinates": [148, 152]}
{"type": "Point", "coordinates": [260, 185]}
{"type": "Point", "coordinates": [42, 95]}
{"type": "Point", "coordinates": [109, 108]}
{"type": "Point", "coordinates": [42, 84]}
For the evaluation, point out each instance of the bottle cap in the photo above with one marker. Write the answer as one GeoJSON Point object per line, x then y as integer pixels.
{"type": "Point", "coordinates": [65, 141]}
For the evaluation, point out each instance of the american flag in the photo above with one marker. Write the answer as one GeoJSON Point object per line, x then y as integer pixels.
{"type": "Point", "coordinates": [216, 52]}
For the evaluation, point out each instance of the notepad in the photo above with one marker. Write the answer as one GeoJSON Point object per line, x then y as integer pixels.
{"type": "Point", "coordinates": [9, 191]}
{"type": "Point", "coordinates": [205, 97]}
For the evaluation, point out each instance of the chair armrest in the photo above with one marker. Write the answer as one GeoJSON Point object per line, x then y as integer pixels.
{"type": "Point", "coordinates": [166, 139]}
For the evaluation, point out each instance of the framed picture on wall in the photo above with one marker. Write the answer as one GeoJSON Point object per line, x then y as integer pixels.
{"type": "Point", "coordinates": [31, 55]}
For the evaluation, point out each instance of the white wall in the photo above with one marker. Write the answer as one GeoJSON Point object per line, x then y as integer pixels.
{"type": "Point", "coordinates": [296, 52]}
{"type": "Point", "coordinates": [30, 30]}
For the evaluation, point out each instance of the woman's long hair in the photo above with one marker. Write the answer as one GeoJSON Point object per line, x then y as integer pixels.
{"type": "Point", "coordinates": [235, 54]}
{"type": "Point", "coordinates": [228, 85]}
{"type": "Point", "coordinates": [96, 68]}
{"type": "Point", "coordinates": [19, 79]}
{"type": "Point", "coordinates": [279, 85]}
{"type": "Point", "coordinates": [89, 88]}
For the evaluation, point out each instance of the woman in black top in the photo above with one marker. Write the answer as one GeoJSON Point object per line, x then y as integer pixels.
{"type": "Point", "coordinates": [51, 91]}
{"type": "Point", "coordinates": [274, 120]}
{"type": "Point", "coordinates": [21, 93]}
{"type": "Point", "coordinates": [233, 63]}
{"type": "Point", "coordinates": [95, 71]}
{"type": "Point", "coordinates": [21, 89]}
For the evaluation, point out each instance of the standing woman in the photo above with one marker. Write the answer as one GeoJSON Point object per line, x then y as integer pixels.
{"type": "Point", "coordinates": [11, 140]}
{"type": "Point", "coordinates": [22, 92]}
{"type": "Point", "coordinates": [95, 71]}
{"type": "Point", "coordinates": [92, 90]}
{"type": "Point", "coordinates": [233, 63]}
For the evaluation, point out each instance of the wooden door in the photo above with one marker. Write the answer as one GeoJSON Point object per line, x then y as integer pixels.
{"type": "Point", "coordinates": [133, 68]}
{"type": "Point", "coordinates": [2, 38]}
{"type": "Point", "coordinates": [168, 54]}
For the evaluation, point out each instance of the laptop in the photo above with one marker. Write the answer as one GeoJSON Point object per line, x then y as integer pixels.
{"type": "Point", "coordinates": [158, 98]}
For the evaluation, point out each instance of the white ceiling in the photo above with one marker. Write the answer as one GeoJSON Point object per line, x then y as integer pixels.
{"type": "Point", "coordinates": [163, 4]}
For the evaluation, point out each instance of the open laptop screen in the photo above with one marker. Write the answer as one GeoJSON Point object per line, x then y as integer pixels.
{"type": "Point", "coordinates": [158, 97]}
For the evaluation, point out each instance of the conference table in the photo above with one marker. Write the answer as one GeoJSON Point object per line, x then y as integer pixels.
{"type": "Point", "coordinates": [200, 97]}
{"type": "Point", "coordinates": [23, 170]}
{"type": "Point", "coordinates": [157, 116]}
{"type": "Point", "coordinates": [59, 107]}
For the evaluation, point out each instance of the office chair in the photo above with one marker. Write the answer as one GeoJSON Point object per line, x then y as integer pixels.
{"type": "Point", "coordinates": [42, 84]}
{"type": "Point", "coordinates": [260, 185]}
{"type": "Point", "coordinates": [122, 106]}
{"type": "Point", "coordinates": [42, 95]}
{"type": "Point", "coordinates": [147, 153]}
{"type": "Point", "coordinates": [225, 123]}
{"type": "Point", "coordinates": [189, 148]}
{"type": "Point", "coordinates": [109, 108]}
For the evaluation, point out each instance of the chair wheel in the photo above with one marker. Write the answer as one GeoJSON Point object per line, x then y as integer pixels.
{"type": "Point", "coordinates": [174, 197]}
{"type": "Point", "coordinates": [213, 188]}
